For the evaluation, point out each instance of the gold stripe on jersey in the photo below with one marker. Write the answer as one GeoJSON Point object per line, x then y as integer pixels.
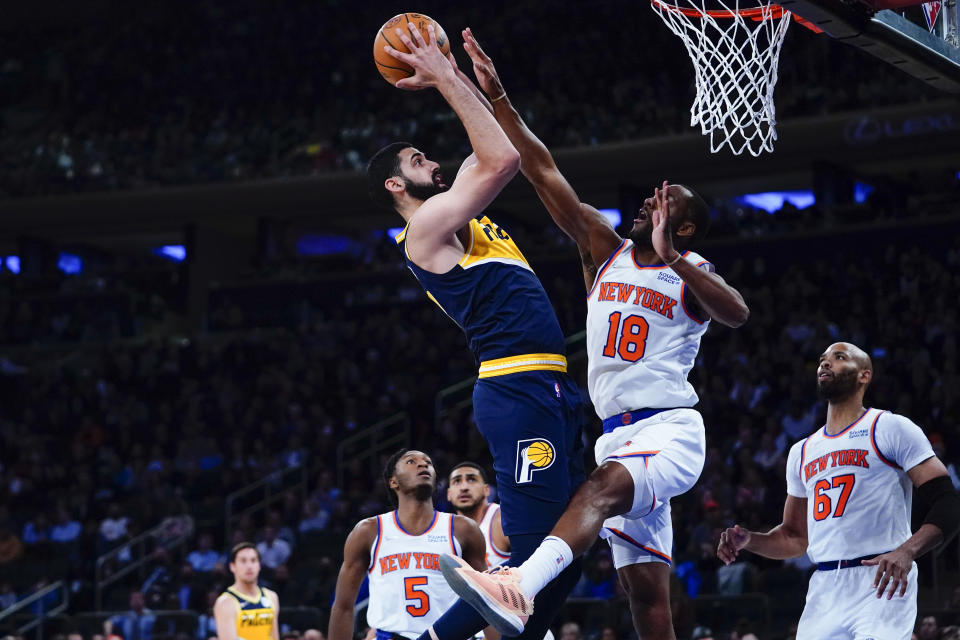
{"type": "Point", "coordinates": [256, 616]}
{"type": "Point", "coordinates": [527, 362]}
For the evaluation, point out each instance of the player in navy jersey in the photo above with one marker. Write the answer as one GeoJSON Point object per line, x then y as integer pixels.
{"type": "Point", "coordinates": [649, 302]}
{"type": "Point", "coordinates": [525, 405]}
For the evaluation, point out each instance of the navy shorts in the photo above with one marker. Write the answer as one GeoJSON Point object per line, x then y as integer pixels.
{"type": "Point", "coordinates": [533, 423]}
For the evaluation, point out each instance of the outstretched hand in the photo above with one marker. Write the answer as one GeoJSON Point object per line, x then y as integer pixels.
{"type": "Point", "coordinates": [483, 67]}
{"type": "Point", "coordinates": [731, 541]}
{"type": "Point", "coordinates": [429, 64]}
{"type": "Point", "coordinates": [662, 229]}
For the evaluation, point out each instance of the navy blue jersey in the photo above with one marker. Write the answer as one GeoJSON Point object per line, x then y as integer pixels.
{"type": "Point", "coordinates": [496, 298]}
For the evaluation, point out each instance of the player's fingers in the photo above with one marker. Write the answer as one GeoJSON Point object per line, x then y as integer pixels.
{"type": "Point", "coordinates": [894, 585]}
{"type": "Point", "coordinates": [408, 84]}
{"type": "Point", "coordinates": [417, 36]}
{"type": "Point", "coordinates": [432, 32]}
{"type": "Point", "coordinates": [399, 55]}
{"type": "Point", "coordinates": [405, 39]}
{"type": "Point", "coordinates": [877, 576]}
{"type": "Point", "coordinates": [883, 586]}
{"type": "Point", "coordinates": [903, 586]}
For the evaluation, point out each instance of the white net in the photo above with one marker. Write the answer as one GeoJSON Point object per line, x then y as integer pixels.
{"type": "Point", "coordinates": [735, 57]}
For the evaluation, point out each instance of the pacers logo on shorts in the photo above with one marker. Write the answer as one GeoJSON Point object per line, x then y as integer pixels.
{"type": "Point", "coordinates": [533, 455]}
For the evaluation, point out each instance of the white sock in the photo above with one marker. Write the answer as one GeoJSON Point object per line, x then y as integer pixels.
{"type": "Point", "coordinates": [551, 557]}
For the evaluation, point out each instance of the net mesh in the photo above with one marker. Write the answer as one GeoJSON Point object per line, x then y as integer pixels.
{"type": "Point", "coordinates": [735, 52]}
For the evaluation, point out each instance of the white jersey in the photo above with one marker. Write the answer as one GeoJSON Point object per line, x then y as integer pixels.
{"type": "Point", "coordinates": [642, 335]}
{"type": "Point", "coordinates": [495, 557]}
{"type": "Point", "coordinates": [407, 590]}
{"type": "Point", "coordinates": [855, 482]}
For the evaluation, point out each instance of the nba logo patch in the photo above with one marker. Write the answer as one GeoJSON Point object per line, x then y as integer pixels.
{"type": "Point", "coordinates": [535, 454]}
{"type": "Point", "coordinates": [556, 388]}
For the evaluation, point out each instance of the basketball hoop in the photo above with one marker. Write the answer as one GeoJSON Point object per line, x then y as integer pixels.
{"type": "Point", "coordinates": [735, 52]}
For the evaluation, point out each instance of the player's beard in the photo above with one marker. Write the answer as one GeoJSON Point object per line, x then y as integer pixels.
{"type": "Point", "coordinates": [425, 190]}
{"type": "Point", "coordinates": [467, 508]}
{"type": "Point", "coordinates": [840, 386]}
{"type": "Point", "coordinates": [423, 492]}
{"type": "Point", "coordinates": [642, 237]}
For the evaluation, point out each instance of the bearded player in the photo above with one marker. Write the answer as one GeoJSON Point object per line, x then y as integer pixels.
{"type": "Point", "coordinates": [849, 494]}
{"type": "Point", "coordinates": [525, 405]}
{"type": "Point", "coordinates": [649, 302]}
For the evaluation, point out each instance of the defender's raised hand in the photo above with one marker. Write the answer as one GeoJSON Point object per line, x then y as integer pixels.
{"type": "Point", "coordinates": [662, 229]}
{"type": "Point", "coordinates": [431, 67]}
{"type": "Point", "coordinates": [483, 67]}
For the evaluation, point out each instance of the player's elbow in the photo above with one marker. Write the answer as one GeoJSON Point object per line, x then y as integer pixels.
{"type": "Point", "coordinates": [740, 316]}
{"type": "Point", "coordinates": [508, 164]}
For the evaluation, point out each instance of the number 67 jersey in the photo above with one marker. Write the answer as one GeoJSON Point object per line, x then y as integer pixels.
{"type": "Point", "coordinates": [855, 482]}
{"type": "Point", "coordinates": [643, 335]}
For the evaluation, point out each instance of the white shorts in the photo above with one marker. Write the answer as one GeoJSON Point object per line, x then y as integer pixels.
{"type": "Point", "coordinates": [842, 604]}
{"type": "Point", "coordinates": [664, 454]}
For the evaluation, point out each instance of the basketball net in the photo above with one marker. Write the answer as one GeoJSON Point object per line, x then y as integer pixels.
{"type": "Point", "coordinates": [735, 52]}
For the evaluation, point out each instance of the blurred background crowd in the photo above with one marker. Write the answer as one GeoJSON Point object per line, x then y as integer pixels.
{"type": "Point", "coordinates": [134, 453]}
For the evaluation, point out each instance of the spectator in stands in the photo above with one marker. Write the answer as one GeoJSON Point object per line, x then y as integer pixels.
{"type": "Point", "coordinates": [313, 634]}
{"type": "Point", "coordinates": [702, 633]}
{"type": "Point", "coordinates": [113, 528]}
{"type": "Point", "coordinates": [609, 633]}
{"type": "Point", "coordinates": [11, 548]}
{"type": "Point", "coordinates": [36, 530]}
{"type": "Point", "coordinates": [799, 422]}
{"type": "Point", "coordinates": [206, 621]}
{"type": "Point", "coordinates": [273, 551]}
{"type": "Point", "coordinates": [570, 631]}
{"type": "Point", "coordinates": [136, 624]}
{"type": "Point", "coordinates": [66, 530]}
{"type": "Point", "coordinates": [928, 629]}
{"type": "Point", "coordinates": [283, 532]}
{"type": "Point", "coordinates": [8, 597]}
{"type": "Point", "coordinates": [74, 635]}
{"type": "Point", "coordinates": [313, 518]}
{"type": "Point", "coordinates": [204, 558]}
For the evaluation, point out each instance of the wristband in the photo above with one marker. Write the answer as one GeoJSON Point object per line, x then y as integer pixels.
{"type": "Point", "coordinates": [675, 260]}
{"type": "Point", "coordinates": [499, 97]}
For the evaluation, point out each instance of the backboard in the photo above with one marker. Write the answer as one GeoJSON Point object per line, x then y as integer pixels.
{"type": "Point", "coordinates": [894, 31]}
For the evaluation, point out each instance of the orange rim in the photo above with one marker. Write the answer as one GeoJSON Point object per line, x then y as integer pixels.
{"type": "Point", "coordinates": [756, 13]}
{"type": "Point", "coordinates": [759, 14]}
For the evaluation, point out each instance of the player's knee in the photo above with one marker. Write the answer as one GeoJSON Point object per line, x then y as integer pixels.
{"type": "Point", "coordinates": [609, 489]}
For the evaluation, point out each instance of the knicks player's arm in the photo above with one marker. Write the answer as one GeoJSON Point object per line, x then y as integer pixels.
{"type": "Point", "coordinates": [936, 497]}
{"type": "Point", "coordinates": [431, 228]}
{"type": "Point", "coordinates": [786, 540]}
{"type": "Point", "coordinates": [225, 614]}
{"type": "Point", "coordinates": [275, 599]}
{"type": "Point", "coordinates": [474, 550]}
{"type": "Point", "coordinates": [500, 540]}
{"type": "Point", "coordinates": [356, 561]}
{"type": "Point", "coordinates": [595, 237]}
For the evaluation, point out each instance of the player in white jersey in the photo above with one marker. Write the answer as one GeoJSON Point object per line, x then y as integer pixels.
{"type": "Point", "coordinates": [649, 302]}
{"type": "Point", "coordinates": [849, 494]}
{"type": "Point", "coordinates": [400, 551]}
{"type": "Point", "coordinates": [469, 493]}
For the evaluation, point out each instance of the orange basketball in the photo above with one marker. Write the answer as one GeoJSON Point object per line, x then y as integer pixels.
{"type": "Point", "coordinates": [389, 67]}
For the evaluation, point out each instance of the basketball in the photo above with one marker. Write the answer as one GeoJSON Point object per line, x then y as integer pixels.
{"type": "Point", "coordinates": [540, 454]}
{"type": "Point", "coordinates": [389, 67]}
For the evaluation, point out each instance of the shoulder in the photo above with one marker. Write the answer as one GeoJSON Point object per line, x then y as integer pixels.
{"type": "Point", "coordinates": [225, 602]}
{"type": "Point", "coordinates": [368, 528]}
{"type": "Point", "coordinates": [699, 261]}
{"type": "Point", "coordinates": [464, 525]}
{"type": "Point", "coordinates": [270, 593]}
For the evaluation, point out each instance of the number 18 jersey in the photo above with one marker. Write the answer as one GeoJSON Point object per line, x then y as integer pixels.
{"type": "Point", "coordinates": [642, 335]}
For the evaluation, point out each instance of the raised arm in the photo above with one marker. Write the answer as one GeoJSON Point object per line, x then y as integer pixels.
{"type": "Point", "coordinates": [593, 233]}
{"type": "Point", "coordinates": [713, 295]}
{"type": "Point", "coordinates": [786, 540]}
{"type": "Point", "coordinates": [356, 560]}
{"type": "Point", "coordinates": [497, 160]}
